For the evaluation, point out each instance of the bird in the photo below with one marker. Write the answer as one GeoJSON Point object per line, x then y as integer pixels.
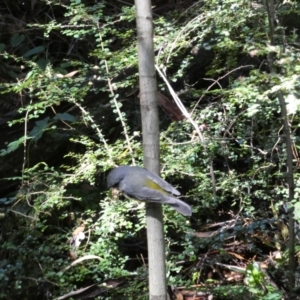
{"type": "Point", "coordinates": [141, 184]}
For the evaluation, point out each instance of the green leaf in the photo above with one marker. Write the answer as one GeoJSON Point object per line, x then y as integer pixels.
{"type": "Point", "coordinates": [39, 128]}
{"type": "Point", "coordinates": [65, 117]}
{"type": "Point", "coordinates": [12, 146]}
{"type": "Point", "coordinates": [7, 201]}
{"type": "Point", "coordinates": [42, 63]}
{"type": "Point", "coordinates": [2, 47]}
{"type": "Point", "coordinates": [33, 51]}
{"type": "Point", "coordinates": [297, 211]}
{"type": "Point", "coordinates": [253, 109]}
{"type": "Point", "coordinates": [17, 39]}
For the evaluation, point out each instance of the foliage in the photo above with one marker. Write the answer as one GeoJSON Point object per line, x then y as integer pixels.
{"type": "Point", "coordinates": [73, 70]}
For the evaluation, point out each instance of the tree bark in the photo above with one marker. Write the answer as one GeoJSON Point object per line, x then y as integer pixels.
{"type": "Point", "coordinates": [270, 7]}
{"type": "Point", "coordinates": [150, 129]}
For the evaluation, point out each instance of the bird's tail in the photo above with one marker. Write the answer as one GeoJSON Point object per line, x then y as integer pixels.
{"type": "Point", "coordinates": [180, 206]}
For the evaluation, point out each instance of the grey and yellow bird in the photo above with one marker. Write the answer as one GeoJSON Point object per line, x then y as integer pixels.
{"type": "Point", "coordinates": [141, 184]}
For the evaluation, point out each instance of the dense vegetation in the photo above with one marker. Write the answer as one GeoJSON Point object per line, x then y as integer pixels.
{"type": "Point", "coordinates": [69, 112]}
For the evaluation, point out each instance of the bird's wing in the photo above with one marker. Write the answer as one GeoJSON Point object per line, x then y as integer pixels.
{"type": "Point", "coordinates": [153, 195]}
{"type": "Point", "coordinates": [157, 196]}
{"type": "Point", "coordinates": [163, 184]}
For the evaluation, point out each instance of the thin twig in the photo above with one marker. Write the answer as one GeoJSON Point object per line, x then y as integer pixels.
{"type": "Point", "coordinates": [116, 102]}
{"type": "Point", "coordinates": [25, 142]}
{"type": "Point", "coordinates": [18, 213]}
{"type": "Point", "coordinates": [179, 34]}
{"type": "Point", "coordinates": [101, 137]}
{"type": "Point", "coordinates": [189, 118]}
{"type": "Point", "coordinates": [217, 82]}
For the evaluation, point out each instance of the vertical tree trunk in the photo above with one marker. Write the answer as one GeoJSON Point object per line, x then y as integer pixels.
{"type": "Point", "coordinates": [270, 6]}
{"type": "Point", "coordinates": [150, 128]}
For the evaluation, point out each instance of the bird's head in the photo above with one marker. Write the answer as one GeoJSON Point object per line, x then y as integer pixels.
{"type": "Point", "coordinates": [116, 175]}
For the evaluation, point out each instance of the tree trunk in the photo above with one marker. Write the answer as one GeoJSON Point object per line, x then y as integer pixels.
{"type": "Point", "coordinates": [150, 128]}
{"type": "Point", "coordinates": [270, 6]}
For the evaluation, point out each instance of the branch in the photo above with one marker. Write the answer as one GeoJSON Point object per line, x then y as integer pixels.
{"type": "Point", "coordinates": [116, 103]}
{"type": "Point", "coordinates": [289, 159]}
{"type": "Point", "coordinates": [190, 119]}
